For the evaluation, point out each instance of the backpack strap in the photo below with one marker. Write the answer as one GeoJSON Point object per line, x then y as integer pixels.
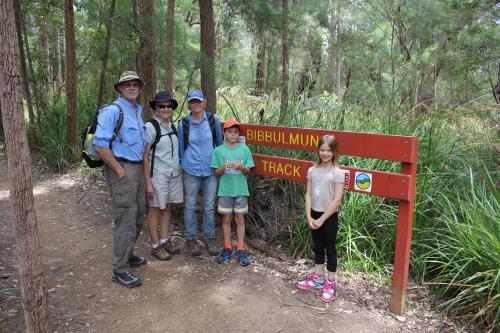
{"type": "Point", "coordinates": [158, 137]}
{"type": "Point", "coordinates": [185, 131]}
{"type": "Point", "coordinates": [211, 123]}
{"type": "Point", "coordinates": [119, 123]}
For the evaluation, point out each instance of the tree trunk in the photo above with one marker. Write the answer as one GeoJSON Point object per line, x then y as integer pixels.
{"type": "Point", "coordinates": [135, 22]}
{"type": "Point", "coordinates": [331, 51]}
{"type": "Point", "coordinates": [102, 76]}
{"type": "Point", "coordinates": [44, 48]}
{"type": "Point", "coordinates": [37, 92]}
{"type": "Point", "coordinates": [269, 72]}
{"type": "Point", "coordinates": [284, 68]}
{"type": "Point", "coordinates": [338, 60]}
{"type": "Point", "coordinates": [69, 33]}
{"type": "Point", "coordinates": [33, 288]}
{"type": "Point", "coordinates": [207, 63]}
{"type": "Point", "coordinates": [24, 71]}
{"type": "Point", "coordinates": [169, 84]}
{"type": "Point", "coordinates": [147, 54]}
{"type": "Point", "coordinates": [260, 71]}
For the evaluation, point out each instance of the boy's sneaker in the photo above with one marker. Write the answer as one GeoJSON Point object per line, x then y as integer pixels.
{"type": "Point", "coordinates": [211, 245]}
{"type": "Point", "coordinates": [243, 257]}
{"type": "Point", "coordinates": [126, 279]}
{"type": "Point", "coordinates": [327, 293]}
{"type": "Point", "coordinates": [193, 247]}
{"type": "Point", "coordinates": [171, 247]}
{"type": "Point", "coordinates": [312, 282]}
{"type": "Point", "coordinates": [159, 253]}
{"type": "Point", "coordinates": [225, 255]}
{"type": "Point", "coordinates": [136, 261]}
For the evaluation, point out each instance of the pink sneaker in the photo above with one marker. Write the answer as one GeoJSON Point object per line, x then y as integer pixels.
{"type": "Point", "coordinates": [311, 282]}
{"type": "Point", "coordinates": [327, 293]}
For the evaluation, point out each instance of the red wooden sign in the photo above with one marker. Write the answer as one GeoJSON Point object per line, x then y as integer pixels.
{"type": "Point", "coordinates": [383, 184]}
{"type": "Point", "coordinates": [379, 146]}
{"type": "Point", "coordinates": [400, 186]}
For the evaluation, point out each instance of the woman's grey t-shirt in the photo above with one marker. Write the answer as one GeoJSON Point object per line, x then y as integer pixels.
{"type": "Point", "coordinates": [166, 152]}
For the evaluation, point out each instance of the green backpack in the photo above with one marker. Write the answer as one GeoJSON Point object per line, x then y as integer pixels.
{"type": "Point", "coordinates": [89, 154]}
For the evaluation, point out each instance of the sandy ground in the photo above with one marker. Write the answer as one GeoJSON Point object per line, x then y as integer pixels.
{"type": "Point", "coordinates": [185, 294]}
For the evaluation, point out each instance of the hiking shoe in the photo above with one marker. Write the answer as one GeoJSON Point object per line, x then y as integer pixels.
{"type": "Point", "coordinates": [243, 257]}
{"type": "Point", "coordinates": [327, 293]}
{"type": "Point", "coordinates": [171, 247]}
{"type": "Point", "coordinates": [193, 247]}
{"type": "Point", "coordinates": [225, 255]}
{"type": "Point", "coordinates": [312, 282]}
{"type": "Point", "coordinates": [126, 279]}
{"type": "Point", "coordinates": [136, 261]}
{"type": "Point", "coordinates": [160, 253]}
{"type": "Point", "coordinates": [211, 246]}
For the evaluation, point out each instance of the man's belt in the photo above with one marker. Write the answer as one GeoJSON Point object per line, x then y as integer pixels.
{"type": "Point", "coordinates": [124, 160]}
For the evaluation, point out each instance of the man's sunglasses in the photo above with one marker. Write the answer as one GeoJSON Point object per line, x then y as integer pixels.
{"type": "Point", "coordinates": [163, 106]}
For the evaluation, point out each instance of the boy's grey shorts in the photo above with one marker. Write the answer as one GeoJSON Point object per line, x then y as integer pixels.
{"type": "Point", "coordinates": [233, 205]}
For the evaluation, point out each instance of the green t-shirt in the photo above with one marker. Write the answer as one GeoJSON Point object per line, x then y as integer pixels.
{"type": "Point", "coordinates": [232, 183]}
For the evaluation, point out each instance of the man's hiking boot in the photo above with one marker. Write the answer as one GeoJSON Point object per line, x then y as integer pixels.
{"type": "Point", "coordinates": [136, 261]}
{"type": "Point", "coordinates": [159, 253]}
{"type": "Point", "coordinates": [211, 246]}
{"type": "Point", "coordinates": [243, 257]}
{"type": "Point", "coordinates": [171, 247]}
{"type": "Point", "coordinates": [193, 247]}
{"type": "Point", "coordinates": [126, 279]}
{"type": "Point", "coordinates": [225, 255]}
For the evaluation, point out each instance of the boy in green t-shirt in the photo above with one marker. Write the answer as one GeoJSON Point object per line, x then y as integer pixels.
{"type": "Point", "coordinates": [232, 161]}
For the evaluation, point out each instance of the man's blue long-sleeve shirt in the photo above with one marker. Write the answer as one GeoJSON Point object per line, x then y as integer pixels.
{"type": "Point", "coordinates": [130, 143]}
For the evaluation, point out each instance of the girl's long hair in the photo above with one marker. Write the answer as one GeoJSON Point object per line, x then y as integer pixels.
{"type": "Point", "coordinates": [330, 140]}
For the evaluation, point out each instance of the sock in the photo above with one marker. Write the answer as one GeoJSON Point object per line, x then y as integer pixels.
{"type": "Point", "coordinates": [228, 245]}
{"type": "Point", "coordinates": [163, 241]}
{"type": "Point", "coordinates": [240, 246]}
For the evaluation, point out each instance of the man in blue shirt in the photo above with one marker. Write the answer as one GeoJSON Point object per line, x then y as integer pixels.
{"type": "Point", "coordinates": [122, 153]}
{"type": "Point", "coordinates": [195, 155]}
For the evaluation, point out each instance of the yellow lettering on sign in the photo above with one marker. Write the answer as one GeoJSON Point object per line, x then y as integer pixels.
{"type": "Point", "coordinates": [260, 135]}
{"type": "Point", "coordinates": [281, 168]}
{"type": "Point", "coordinates": [314, 140]}
{"type": "Point", "coordinates": [270, 137]}
{"type": "Point", "coordinates": [296, 170]}
{"type": "Point", "coordinates": [250, 134]}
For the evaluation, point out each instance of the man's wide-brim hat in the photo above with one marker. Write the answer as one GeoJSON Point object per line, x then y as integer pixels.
{"type": "Point", "coordinates": [163, 97]}
{"type": "Point", "coordinates": [128, 76]}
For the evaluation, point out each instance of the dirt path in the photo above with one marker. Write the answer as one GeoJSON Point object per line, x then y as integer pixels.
{"type": "Point", "coordinates": [182, 295]}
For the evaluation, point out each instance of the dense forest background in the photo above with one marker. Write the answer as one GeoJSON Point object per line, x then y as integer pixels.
{"type": "Point", "coordinates": [428, 68]}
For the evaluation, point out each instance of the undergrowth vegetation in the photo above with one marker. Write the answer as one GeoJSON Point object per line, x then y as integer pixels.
{"type": "Point", "coordinates": [456, 231]}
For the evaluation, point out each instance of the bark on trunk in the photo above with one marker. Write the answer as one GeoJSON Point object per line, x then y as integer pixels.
{"type": "Point", "coordinates": [37, 92]}
{"type": "Point", "coordinates": [147, 54]}
{"type": "Point", "coordinates": [207, 63]}
{"type": "Point", "coordinates": [69, 33]}
{"type": "Point", "coordinates": [44, 48]}
{"type": "Point", "coordinates": [24, 71]}
{"type": "Point", "coordinates": [105, 56]}
{"type": "Point", "coordinates": [284, 62]}
{"type": "Point", "coordinates": [170, 46]}
{"type": "Point", "coordinates": [260, 71]}
{"type": "Point", "coordinates": [33, 288]}
{"type": "Point", "coordinates": [338, 60]}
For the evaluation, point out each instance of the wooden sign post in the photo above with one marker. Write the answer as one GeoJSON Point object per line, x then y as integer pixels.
{"type": "Point", "coordinates": [399, 186]}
